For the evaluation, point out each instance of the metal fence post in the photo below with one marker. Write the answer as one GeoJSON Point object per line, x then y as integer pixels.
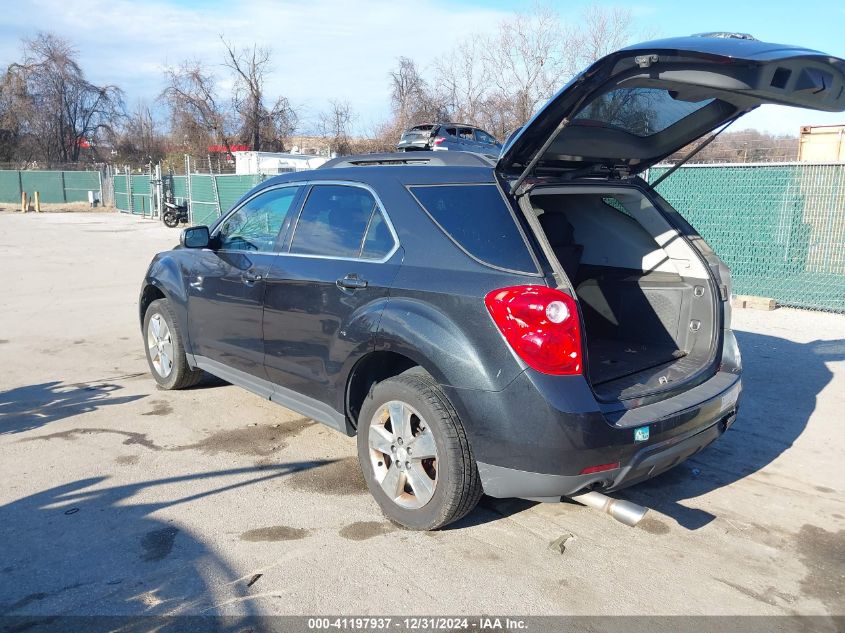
{"type": "Point", "coordinates": [129, 205]}
{"type": "Point", "coordinates": [188, 191]}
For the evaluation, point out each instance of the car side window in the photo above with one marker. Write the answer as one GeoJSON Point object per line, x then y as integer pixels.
{"type": "Point", "coordinates": [484, 137]}
{"type": "Point", "coordinates": [256, 225]}
{"type": "Point", "coordinates": [451, 131]}
{"type": "Point", "coordinates": [341, 221]}
{"type": "Point", "coordinates": [466, 133]}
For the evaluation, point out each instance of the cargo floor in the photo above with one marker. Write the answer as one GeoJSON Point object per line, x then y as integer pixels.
{"type": "Point", "coordinates": [611, 359]}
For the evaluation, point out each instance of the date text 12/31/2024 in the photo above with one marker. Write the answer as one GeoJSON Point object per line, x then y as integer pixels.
{"type": "Point", "coordinates": [416, 623]}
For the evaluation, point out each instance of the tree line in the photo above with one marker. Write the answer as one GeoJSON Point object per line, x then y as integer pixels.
{"type": "Point", "coordinates": [51, 113]}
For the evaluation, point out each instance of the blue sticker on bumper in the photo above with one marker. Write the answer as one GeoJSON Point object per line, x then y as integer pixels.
{"type": "Point", "coordinates": [641, 434]}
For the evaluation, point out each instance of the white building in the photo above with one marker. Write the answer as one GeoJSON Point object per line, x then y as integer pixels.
{"type": "Point", "coordinates": [272, 163]}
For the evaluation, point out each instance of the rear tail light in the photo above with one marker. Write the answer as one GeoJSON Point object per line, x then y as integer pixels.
{"type": "Point", "coordinates": [541, 325]}
{"type": "Point", "coordinates": [439, 140]}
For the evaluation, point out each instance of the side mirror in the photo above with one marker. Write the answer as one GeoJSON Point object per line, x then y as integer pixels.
{"type": "Point", "coordinates": [195, 237]}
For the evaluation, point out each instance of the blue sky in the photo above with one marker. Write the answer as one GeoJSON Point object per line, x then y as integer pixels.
{"type": "Point", "coordinates": [340, 49]}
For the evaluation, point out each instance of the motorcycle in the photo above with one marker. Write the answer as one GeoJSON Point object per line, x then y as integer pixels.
{"type": "Point", "coordinates": [174, 214]}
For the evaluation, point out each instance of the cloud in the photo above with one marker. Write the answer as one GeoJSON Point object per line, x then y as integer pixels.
{"type": "Point", "coordinates": [322, 49]}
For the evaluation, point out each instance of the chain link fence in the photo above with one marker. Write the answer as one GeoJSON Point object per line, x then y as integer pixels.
{"type": "Point", "coordinates": [779, 226]}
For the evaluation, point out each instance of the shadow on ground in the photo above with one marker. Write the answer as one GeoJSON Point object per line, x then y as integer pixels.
{"type": "Point", "coordinates": [31, 407]}
{"type": "Point", "coordinates": [86, 548]}
{"type": "Point", "coordinates": [781, 380]}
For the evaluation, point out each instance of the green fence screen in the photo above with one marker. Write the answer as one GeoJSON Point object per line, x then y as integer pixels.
{"type": "Point", "coordinates": [780, 227]}
{"type": "Point", "coordinates": [52, 186]}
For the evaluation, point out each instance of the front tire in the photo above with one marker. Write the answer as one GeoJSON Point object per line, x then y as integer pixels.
{"type": "Point", "coordinates": [165, 348]}
{"type": "Point", "coordinates": [415, 455]}
{"type": "Point", "coordinates": [170, 219]}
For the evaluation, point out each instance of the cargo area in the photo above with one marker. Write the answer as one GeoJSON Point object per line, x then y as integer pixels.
{"type": "Point", "coordinates": [646, 298]}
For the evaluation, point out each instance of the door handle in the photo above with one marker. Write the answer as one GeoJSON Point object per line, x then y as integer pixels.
{"type": "Point", "coordinates": [351, 282]}
{"type": "Point", "coordinates": [250, 277]}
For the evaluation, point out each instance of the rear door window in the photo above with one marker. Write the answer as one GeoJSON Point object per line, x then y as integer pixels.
{"type": "Point", "coordinates": [466, 133]}
{"type": "Point", "coordinates": [341, 221]}
{"type": "Point", "coordinates": [479, 221]}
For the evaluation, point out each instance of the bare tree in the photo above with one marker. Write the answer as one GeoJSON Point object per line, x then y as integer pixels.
{"type": "Point", "coordinates": [259, 123]}
{"type": "Point", "coordinates": [598, 32]}
{"type": "Point", "coordinates": [335, 126]}
{"type": "Point", "coordinates": [526, 64]}
{"type": "Point", "coordinates": [140, 139]}
{"type": "Point", "coordinates": [57, 110]}
{"type": "Point", "coordinates": [190, 93]}
{"type": "Point", "coordinates": [463, 79]}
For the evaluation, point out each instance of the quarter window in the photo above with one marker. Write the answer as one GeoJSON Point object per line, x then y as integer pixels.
{"type": "Point", "coordinates": [256, 225]}
{"type": "Point", "coordinates": [477, 218]}
{"type": "Point", "coordinates": [341, 221]}
{"type": "Point", "coordinates": [484, 137]}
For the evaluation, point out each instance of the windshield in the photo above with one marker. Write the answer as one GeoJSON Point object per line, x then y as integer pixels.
{"type": "Point", "coordinates": [638, 111]}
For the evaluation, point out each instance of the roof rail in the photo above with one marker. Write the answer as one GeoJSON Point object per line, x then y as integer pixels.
{"type": "Point", "coordinates": [439, 159]}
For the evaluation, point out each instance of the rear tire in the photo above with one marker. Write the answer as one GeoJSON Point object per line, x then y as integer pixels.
{"type": "Point", "coordinates": [439, 483]}
{"type": "Point", "coordinates": [165, 349]}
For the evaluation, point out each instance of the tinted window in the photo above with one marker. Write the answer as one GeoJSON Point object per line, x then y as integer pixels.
{"type": "Point", "coordinates": [340, 221]}
{"type": "Point", "coordinates": [484, 137]}
{"type": "Point", "coordinates": [639, 111]}
{"type": "Point", "coordinates": [466, 134]}
{"type": "Point", "coordinates": [378, 241]}
{"type": "Point", "coordinates": [478, 219]}
{"type": "Point", "coordinates": [256, 225]}
{"type": "Point", "coordinates": [451, 131]}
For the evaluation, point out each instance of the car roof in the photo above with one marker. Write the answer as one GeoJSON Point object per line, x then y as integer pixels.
{"type": "Point", "coordinates": [446, 123]}
{"type": "Point", "coordinates": [407, 159]}
{"type": "Point", "coordinates": [405, 174]}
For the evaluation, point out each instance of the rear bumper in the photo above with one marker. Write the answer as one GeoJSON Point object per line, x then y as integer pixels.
{"type": "Point", "coordinates": [646, 463]}
{"type": "Point", "coordinates": [548, 466]}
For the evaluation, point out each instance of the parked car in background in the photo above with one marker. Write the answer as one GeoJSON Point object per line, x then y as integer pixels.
{"type": "Point", "coordinates": [537, 326]}
{"type": "Point", "coordinates": [441, 137]}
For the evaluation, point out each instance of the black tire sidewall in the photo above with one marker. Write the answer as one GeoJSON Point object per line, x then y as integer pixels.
{"type": "Point", "coordinates": [431, 514]}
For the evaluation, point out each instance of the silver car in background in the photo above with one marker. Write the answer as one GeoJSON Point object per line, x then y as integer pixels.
{"type": "Point", "coordinates": [455, 137]}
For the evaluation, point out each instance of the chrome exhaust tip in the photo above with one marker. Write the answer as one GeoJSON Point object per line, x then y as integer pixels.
{"type": "Point", "coordinates": [623, 511]}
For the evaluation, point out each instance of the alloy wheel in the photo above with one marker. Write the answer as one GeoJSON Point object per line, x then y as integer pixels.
{"type": "Point", "coordinates": [403, 454]}
{"type": "Point", "coordinates": [160, 345]}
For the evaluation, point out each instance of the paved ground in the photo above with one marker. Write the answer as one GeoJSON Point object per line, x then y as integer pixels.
{"type": "Point", "coordinates": [117, 498]}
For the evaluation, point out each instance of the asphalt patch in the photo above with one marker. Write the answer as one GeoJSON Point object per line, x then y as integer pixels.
{"type": "Point", "coordinates": [3, 341]}
{"type": "Point", "coordinates": [823, 554]}
{"type": "Point", "coordinates": [261, 440]}
{"type": "Point", "coordinates": [127, 460]}
{"type": "Point", "coordinates": [363, 530]}
{"type": "Point", "coordinates": [158, 544]}
{"type": "Point", "coordinates": [71, 435]}
{"type": "Point", "coordinates": [160, 407]}
{"type": "Point", "coordinates": [653, 526]}
{"type": "Point", "coordinates": [275, 533]}
{"type": "Point", "coordinates": [341, 477]}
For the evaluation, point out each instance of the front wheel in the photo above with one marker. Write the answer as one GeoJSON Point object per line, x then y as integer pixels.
{"type": "Point", "coordinates": [415, 455]}
{"type": "Point", "coordinates": [170, 219]}
{"type": "Point", "coordinates": [165, 348]}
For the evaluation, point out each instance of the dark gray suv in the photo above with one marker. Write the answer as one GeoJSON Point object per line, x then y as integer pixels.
{"type": "Point", "coordinates": [536, 327]}
{"type": "Point", "coordinates": [456, 137]}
